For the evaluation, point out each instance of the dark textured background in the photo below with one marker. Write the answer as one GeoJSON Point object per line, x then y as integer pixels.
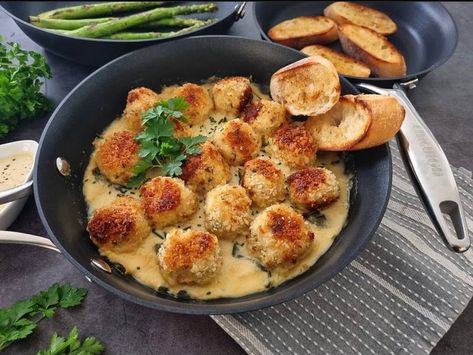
{"type": "Point", "coordinates": [443, 98]}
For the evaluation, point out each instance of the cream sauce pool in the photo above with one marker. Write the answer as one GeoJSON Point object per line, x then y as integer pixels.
{"type": "Point", "coordinates": [240, 273]}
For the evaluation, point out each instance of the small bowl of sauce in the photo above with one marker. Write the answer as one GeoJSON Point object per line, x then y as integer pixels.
{"type": "Point", "coordinates": [16, 168]}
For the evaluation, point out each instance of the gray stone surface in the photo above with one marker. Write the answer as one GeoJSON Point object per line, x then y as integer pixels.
{"type": "Point", "coordinates": [443, 99]}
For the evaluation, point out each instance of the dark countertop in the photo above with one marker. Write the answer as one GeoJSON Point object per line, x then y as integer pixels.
{"type": "Point", "coordinates": [443, 99]}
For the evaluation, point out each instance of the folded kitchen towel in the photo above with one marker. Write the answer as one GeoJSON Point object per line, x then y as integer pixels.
{"type": "Point", "coordinates": [399, 296]}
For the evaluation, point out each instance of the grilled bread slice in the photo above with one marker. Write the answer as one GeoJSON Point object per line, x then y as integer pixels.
{"type": "Point", "coordinates": [387, 115]}
{"type": "Point", "coordinates": [341, 127]}
{"type": "Point", "coordinates": [303, 31]}
{"type": "Point", "coordinates": [344, 64]}
{"type": "Point", "coordinates": [307, 87]}
{"type": "Point", "coordinates": [355, 14]}
{"type": "Point", "coordinates": [373, 49]}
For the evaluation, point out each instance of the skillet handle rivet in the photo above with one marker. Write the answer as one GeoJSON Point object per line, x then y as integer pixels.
{"type": "Point", "coordinates": [63, 166]}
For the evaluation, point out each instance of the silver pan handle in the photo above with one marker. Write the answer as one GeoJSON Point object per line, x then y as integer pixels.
{"type": "Point", "coordinates": [7, 237]}
{"type": "Point", "coordinates": [431, 173]}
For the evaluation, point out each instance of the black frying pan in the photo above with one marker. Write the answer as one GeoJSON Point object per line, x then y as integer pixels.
{"type": "Point", "coordinates": [427, 35]}
{"type": "Point", "coordinates": [96, 52]}
{"type": "Point", "coordinates": [100, 98]}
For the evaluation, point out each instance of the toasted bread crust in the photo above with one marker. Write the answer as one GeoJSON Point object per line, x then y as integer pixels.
{"type": "Point", "coordinates": [341, 127]}
{"type": "Point", "coordinates": [384, 60]}
{"type": "Point", "coordinates": [387, 116]}
{"type": "Point", "coordinates": [303, 31]}
{"type": "Point", "coordinates": [307, 87]}
{"type": "Point", "coordinates": [355, 14]}
{"type": "Point", "coordinates": [344, 64]}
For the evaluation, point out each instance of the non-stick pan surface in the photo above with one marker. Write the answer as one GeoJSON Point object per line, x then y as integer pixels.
{"type": "Point", "coordinates": [100, 98]}
{"type": "Point", "coordinates": [427, 35]}
{"type": "Point", "coordinates": [96, 52]}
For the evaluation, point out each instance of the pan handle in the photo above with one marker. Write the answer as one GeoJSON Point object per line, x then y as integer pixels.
{"type": "Point", "coordinates": [430, 172]}
{"type": "Point", "coordinates": [7, 237]}
{"type": "Point", "coordinates": [240, 11]}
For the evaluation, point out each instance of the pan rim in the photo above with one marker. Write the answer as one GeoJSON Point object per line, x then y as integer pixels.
{"type": "Point", "coordinates": [201, 308]}
{"type": "Point", "coordinates": [103, 40]}
{"type": "Point", "coordinates": [380, 80]}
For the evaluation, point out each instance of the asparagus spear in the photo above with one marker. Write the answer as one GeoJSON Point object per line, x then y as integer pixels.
{"type": "Point", "coordinates": [118, 25]}
{"type": "Point", "coordinates": [60, 24]}
{"type": "Point", "coordinates": [150, 35]}
{"type": "Point", "coordinates": [173, 22]}
{"type": "Point", "coordinates": [92, 10]}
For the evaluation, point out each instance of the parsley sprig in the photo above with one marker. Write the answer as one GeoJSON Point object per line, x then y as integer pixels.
{"type": "Point", "coordinates": [73, 345]}
{"type": "Point", "coordinates": [22, 75]}
{"type": "Point", "coordinates": [19, 320]}
{"type": "Point", "coordinates": [159, 148]}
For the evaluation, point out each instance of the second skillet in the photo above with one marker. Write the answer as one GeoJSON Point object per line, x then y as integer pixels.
{"type": "Point", "coordinates": [427, 37]}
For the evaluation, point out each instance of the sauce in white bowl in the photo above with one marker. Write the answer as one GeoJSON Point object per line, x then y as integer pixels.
{"type": "Point", "coordinates": [16, 168]}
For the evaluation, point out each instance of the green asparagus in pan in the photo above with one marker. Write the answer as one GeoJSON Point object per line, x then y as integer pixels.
{"type": "Point", "coordinates": [150, 35]}
{"type": "Point", "coordinates": [59, 24]}
{"type": "Point", "coordinates": [118, 25]}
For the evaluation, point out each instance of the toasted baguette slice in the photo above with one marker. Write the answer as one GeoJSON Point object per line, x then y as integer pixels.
{"type": "Point", "coordinates": [341, 127]}
{"type": "Point", "coordinates": [344, 64]}
{"type": "Point", "coordinates": [387, 115]}
{"type": "Point", "coordinates": [302, 31]}
{"type": "Point", "coordinates": [355, 14]}
{"type": "Point", "coordinates": [373, 49]}
{"type": "Point", "coordinates": [307, 87]}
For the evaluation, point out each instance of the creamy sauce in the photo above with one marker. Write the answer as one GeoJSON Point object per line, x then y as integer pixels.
{"type": "Point", "coordinates": [14, 171]}
{"type": "Point", "coordinates": [240, 274]}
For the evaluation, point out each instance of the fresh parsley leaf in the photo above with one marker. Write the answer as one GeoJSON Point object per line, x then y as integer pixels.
{"type": "Point", "coordinates": [22, 75]}
{"type": "Point", "coordinates": [19, 320]}
{"type": "Point", "coordinates": [159, 148]}
{"type": "Point", "coordinates": [73, 345]}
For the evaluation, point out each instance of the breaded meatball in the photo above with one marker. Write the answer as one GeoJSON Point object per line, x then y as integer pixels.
{"type": "Point", "coordinates": [265, 117]}
{"type": "Point", "coordinates": [232, 94]}
{"type": "Point", "coordinates": [264, 182]}
{"type": "Point", "coordinates": [312, 188]}
{"type": "Point", "coordinates": [138, 101]}
{"type": "Point", "coordinates": [167, 201]}
{"type": "Point", "coordinates": [237, 142]}
{"type": "Point", "coordinates": [120, 227]}
{"type": "Point", "coordinates": [279, 236]}
{"type": "Point", "coordinates": [202, 172]}
{"type": "Point", "coordinates": [227, 211]}
{"type": "Point", "coordinates": [199, 100]}
{"type": "Point", "coordinates": [190, 257]}
{"type": "Point", "coordinates": [181, 129]}
{"type": "Point", "coordinates": [294, 145]}
{"type": "Point", "coordinates": [116, 156]}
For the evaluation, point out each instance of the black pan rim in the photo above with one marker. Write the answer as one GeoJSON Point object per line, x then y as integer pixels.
{"type": "Point", "coordinates": [101, 40]}
{"type": "Point", "coordinates": [202, 308]}
{"type": "Point", "coordinates": [402, 79]}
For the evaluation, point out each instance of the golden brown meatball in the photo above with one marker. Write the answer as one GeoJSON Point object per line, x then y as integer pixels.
{"type": "Point", "coordinates": [117, 156]}
{"type": "Point", "coordinates": [191, 257]}
{"type": "Point", "coordinates": [294, 145]}
{"type": "Point", "coordinates": [313, 188]}
{"type": "Point", "coordinates": [120, 227]}
{"type": "Point", "coordinates": [199, 100]}
{"type": "Point", "coordinates": [167, 201]}
{"type": "Point", "coordinates": [232, 94]}
{"type": "Point", "coordinates": [138, 101]}
{"type": "Point", "coordinates": [264, 182]}
{"type": "Point", "coordinates": [202, 172]}
{"type": "Point", "coordinates": [237, 142]}
{"type": "Point", "coordinates": [227, 211]}
{"type": "Point", "coordinates": [279, 236]}
{"type": "Point", "coordinates": [265, 117]}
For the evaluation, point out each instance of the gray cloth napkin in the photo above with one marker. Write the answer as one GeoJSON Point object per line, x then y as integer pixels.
{"type": "Point", "coordinates": [399, 296]}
